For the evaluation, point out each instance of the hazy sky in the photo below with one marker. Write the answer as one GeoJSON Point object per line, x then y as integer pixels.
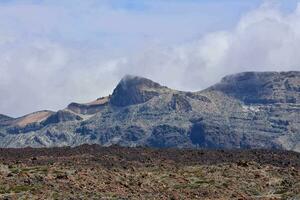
{"type": "Point", "coordinates": [55, 52]}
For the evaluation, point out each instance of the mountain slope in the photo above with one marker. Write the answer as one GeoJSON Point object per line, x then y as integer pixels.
{"type": "Point", "coordinates": [246, 110]}
{"type": "Point", "coordinates": [4, 118]}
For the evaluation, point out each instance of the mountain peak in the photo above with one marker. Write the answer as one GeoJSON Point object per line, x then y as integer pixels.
{"type": "Point", "coordinates": [134, 90]}
{"type": "Point", "coordinates": [137, 81]}
{"type": "Point", "coordinates": [245, 110]}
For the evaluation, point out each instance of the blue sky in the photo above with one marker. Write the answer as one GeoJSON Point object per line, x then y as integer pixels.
{"type": "Point", "coordinates": [120, 22]}
{"type": "Point", "coordinates": [123, 23]}
{"type": "Point", "coordinates": [77, 50]}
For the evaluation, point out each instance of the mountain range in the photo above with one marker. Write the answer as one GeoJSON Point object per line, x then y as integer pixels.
{"type": "Point", "coordinates": [244, 110]}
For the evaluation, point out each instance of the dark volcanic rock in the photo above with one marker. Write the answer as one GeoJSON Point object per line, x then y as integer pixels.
{"type": "Point", "coordinates": [26, 129]}
{"type": "Point", "coordinates": [95, 172]}
{"type": "Point", "coordinates": [167, 136]}
{"type": "Point", "coordinates": [61, 116]}
{"type": "Point", "coordinates": [134, 90]}
{"type": "Point", "coordinates": [2, 134]}
{"type": "Point", "coordinates": [180, 103]}
{"type": "Point", "coordinates": [5, 120]}
{"type": "Point", "coordinates": [133, 134]}
{"type": "Point", "coordinates": [263, 88]}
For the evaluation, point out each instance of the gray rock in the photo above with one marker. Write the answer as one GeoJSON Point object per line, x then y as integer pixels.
{"type": "Point", "coordinates": [5, 120]}
{"type": "Point", "coordinates": [61, 116]}
{"type": "Point", "coordinates": [134, 90]}
{"type": "Point", "coordinates": [246, 110]}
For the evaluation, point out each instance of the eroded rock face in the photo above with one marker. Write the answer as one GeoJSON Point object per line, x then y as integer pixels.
{"type": "Point", "coordinates": [84, 109]}
{"type": "Point", "coordinates": [61, 116]}
{"type": "Point", "coordinates": [246, 110]}
{"type": "Point", "coordinates": [134, 90]}
{"type": "Point", "coordinates": [89, 108]}
{"type": "Point", "coordinates": [180, 103]}
{"type": "Point", "coordinates": [262, 88]}
{"type": "Point", "coordinates": [167, 136]}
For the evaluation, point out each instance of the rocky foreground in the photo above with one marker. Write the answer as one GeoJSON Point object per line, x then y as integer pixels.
{"type": "Point", "coordinates": [94, 172]}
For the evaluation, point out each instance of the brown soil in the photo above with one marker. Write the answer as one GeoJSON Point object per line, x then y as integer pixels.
{"type": "Point", "coordinates": [99, 101]}
{"type": "Point", "coordinates": [94, 172]}
{"type": "Point", "coordinates": [32, 118]}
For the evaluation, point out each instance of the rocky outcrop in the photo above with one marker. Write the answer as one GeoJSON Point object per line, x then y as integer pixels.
{"type": "Point", "coordinates": [180, 103]}
{"type": "Point", "coordinates": [134, 90]}
{"type": "Point", "coordinates": [89, 108]}
{"type": "Point", "coordinates": [246, 110]}
{"type": "Point", "coordinates": [61, 116]}
{"type": "Point", "coordinates": [164, 136]}
{"type": "Point", "coordinates": [262, 88]}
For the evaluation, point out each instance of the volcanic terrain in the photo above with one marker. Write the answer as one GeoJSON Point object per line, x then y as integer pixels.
{"type": "Point", "coordinates": [245, 110]}
{"type": "Point", "coordinates": [95, 172]}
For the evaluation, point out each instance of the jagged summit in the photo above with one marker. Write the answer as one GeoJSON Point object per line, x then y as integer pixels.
{"type": "Point", "coordinates": [129, 81]}
{"type": "Point", "coordinates": [134, 90]}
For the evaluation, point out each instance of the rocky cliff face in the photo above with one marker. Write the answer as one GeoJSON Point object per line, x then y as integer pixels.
{"type": "Point", "coordinates": [262, 88]}
{"type": "Point", "coordinates": [134, 90]}
{"type": "Point", "coordinates": [246, 110]}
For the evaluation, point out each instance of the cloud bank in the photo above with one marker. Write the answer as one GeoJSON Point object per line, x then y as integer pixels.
{"type": "Point", "coordinates": [45, 63]}
{"type": "Point", "coordinates": [264, 39]}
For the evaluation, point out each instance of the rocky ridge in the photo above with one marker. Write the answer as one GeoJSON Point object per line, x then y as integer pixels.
{"type": "Point", "coordinates": [245, 110]}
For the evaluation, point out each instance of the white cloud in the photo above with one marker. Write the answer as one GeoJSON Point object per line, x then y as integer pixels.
{"type": "Point", "coordinates": [264, 39]}
{"type": "Point", "coordinates": [45, 62]}
{"type": "Point", "coordinates": [43, 74]}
